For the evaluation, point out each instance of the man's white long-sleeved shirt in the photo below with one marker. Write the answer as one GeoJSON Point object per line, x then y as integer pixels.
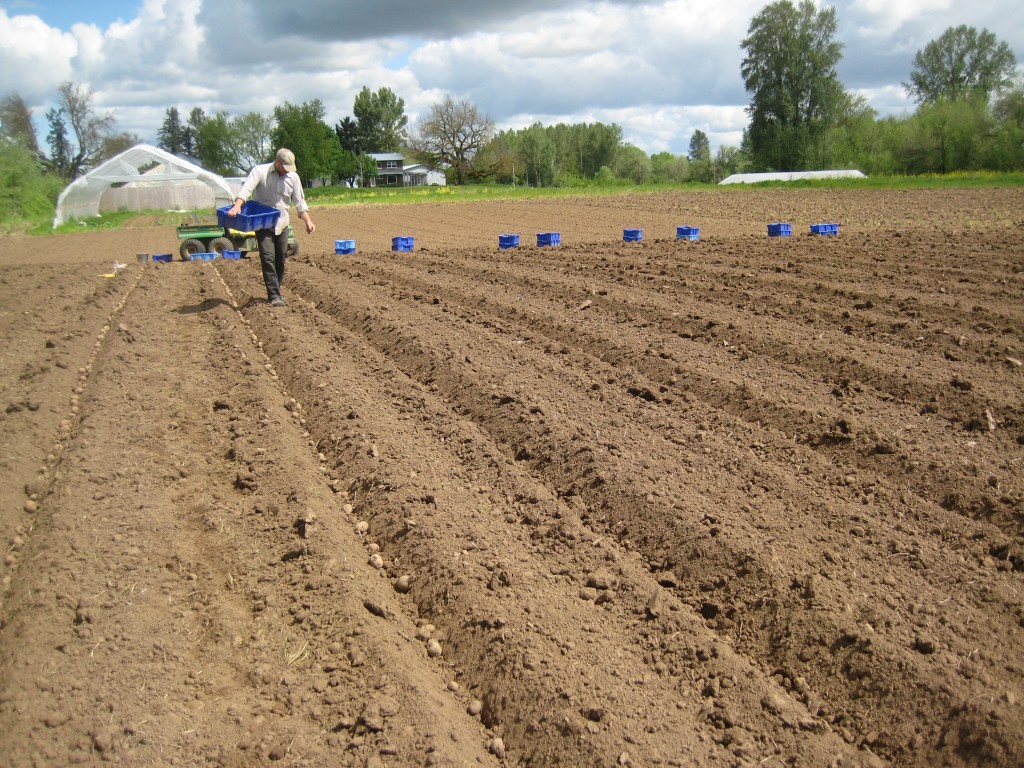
{"type": "Point", "coordinates": [265, 186]}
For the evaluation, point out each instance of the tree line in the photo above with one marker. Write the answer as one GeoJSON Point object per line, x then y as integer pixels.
{"type": "Point", "coordinates": [969, 116]}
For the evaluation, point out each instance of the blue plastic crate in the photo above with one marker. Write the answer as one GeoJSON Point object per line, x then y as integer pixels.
{"type": "Point", "coordinates": [231, 255]}
{"type": "Point", "coordinates": [828, 230]}
{"type": "Point", "coordinates": [402, 243]}
{"type": "Point", "coordinates": [508, 241]}
{"type": "Point", "coordinates": [253, 216]}
{"type": "Point", "coordinates": [204, 256]}
{"type": "Point", "coordinates": [632, 235]}
{"type": "Point", "coordinates": [162, 257]}
{"type": "Point", "coordinates": [548, 238]}
{"type": "Point", "coordinates": [687, 233]}
{"type": "Point", "coordinates": [344, 246]}
{"type": "Point", "coordinates": [778, 229]}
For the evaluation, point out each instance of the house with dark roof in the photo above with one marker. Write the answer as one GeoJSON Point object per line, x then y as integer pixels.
{"type": "Point", "coordinates": [392, 171]}
{"type": "Point", "coordinates": [389, 169]}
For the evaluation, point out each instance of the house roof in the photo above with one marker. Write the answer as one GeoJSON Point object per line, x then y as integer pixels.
{"type": "Point", "coordinates": [386, 155]}
{"type": "Point", "coordinates": [421, 168]}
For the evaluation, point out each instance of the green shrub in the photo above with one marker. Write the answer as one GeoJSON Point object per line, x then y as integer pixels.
{"type": "Point", "coordinates": [27, 194]}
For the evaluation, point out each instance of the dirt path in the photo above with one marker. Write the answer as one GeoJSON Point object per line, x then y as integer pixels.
{"type": "Point", "coordinates": [740, 502]}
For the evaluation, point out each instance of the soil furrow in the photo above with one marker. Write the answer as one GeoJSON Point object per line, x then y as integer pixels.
{"type": "Point", "coordinates": [507, 657]}
{"type": "Point", "coordinates": [744, 501]}
{"type": "Point", "coordinates": [720, 596]}
{"type": "Point", "coordinates": [826, 416]}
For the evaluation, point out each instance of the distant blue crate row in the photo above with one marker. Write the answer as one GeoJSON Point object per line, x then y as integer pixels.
{"type": "Point", "coordinates": [252, 217]}
{"type": "Point", "coordinates": [402, 243]}
{"type": "Point", "coordinates": [508, 241]}
{"type": "Point", "coordinates": [548, 238]}
{"type": "Point", "coordinates": [687, 233]}
{"type": "Point", "coordinates": [778, 229]}
{"type": "Point", "coordinates": [344, 246]}
{"type": "Point", "coordinates": [825, 229]}
{"type": "Point", "coordinates": [632, 235]}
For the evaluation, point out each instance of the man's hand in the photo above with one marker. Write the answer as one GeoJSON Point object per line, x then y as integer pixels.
{"type": "Point", "coordinates": [310, 226]}
{"type": "Point", "coordinates": [235, 209]}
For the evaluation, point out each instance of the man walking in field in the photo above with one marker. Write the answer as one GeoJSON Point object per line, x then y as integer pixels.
{"type": "Point", "coordinates": [278, 185]}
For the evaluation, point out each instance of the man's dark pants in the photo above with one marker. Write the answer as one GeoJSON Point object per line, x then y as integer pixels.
{"type": "Point", "coordinates": [272, 255]}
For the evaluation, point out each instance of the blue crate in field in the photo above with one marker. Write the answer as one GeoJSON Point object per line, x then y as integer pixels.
{"type": "Point", "coordinates": [828, 230]}
{"type": "Point", "coordinates": [205, 256]}
{"type": "Point", "coordinates": [252, 217]}
{"type": "Point", "coordinates": [402, 243]}
{"type": "Point", "coordinates": [778, 229]}
{"type": "Point", "coordinates": [508, 241]}
{"type": "Point", "coordinates": [632, 235]}
{"type": "Point", "coordinates": [344, 246]}
{"type": "Point", "coordinates": [162, 257]}
{"type": "Point", "coordinates": [231, 255]}
{"type": "Point", "coordinates": [548, 238]}
{"type": "Point", "coordinates": [687, 233]}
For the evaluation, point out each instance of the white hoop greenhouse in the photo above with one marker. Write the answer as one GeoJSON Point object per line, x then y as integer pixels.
{"type": "Point", "coordinates": [139, 179]}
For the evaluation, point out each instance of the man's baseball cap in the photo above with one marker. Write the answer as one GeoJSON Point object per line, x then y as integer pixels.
{"type": "Point", "coordinates": [287, 158]}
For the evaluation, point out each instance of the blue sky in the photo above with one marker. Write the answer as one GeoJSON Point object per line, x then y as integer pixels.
{"type": "Point", "coordinates": [661, 69]}
{"type": "Point", "coordinates": [63, 13]}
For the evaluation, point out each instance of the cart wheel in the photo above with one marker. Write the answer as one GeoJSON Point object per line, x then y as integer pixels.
{"type": "Point", "coordinates": [190, 246]}
{"type": "Point", "coordinates": [220, 244]}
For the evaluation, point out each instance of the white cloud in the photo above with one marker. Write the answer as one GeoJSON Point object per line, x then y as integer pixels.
{"type": "Point", "coordinates": [659, 68]}
{"type": "Point", "coordinates": [881, 19]}
{"type": "Point", "coordinates": [33, 57]}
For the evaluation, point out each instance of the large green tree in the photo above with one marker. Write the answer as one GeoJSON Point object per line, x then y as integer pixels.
{"type": "Point", "coordinates": [453, 132]}
{"type": "Point", "coordinates": [347, 130]}
{"type": "Point", "coordinates": [551, 155]}
{"type": "Point", "coordinates": [960, 64]}
{"type": "Point", "coordinates": [633, 164]}
{"type": "Point", "coordinates": [540, 154]}
{"type": "Point", "coordinates": [225, 144]}
{"type": "Point", "coordinates": [381, 120]}
{"type": "Point", "coordinates": [1006, 151]}
{"type": "Point", "coordinates": [500, 160]}
{"type": "Point", "coordinates": [251, 140]}
{"type": "Point", "coordinates": [789, 69]}
{"type": "Point", "coordinates": [191, 131]}
{"type": "Point", "coordinates": [700, 147]}
{"type": "Point", "coordinates": [170, 136]}
{"type": "Point", "coordinates": [946, 136]}
{"type": "Point", "coordinates": [59, 160]}
{"type": "Point", "coordinates": [16, 122]}
{"type": "Point", "coordinates": [302, 129]}
{"type": "Point", "coordinates": [669, 168]}
{"type": "Point", "coordinates": [215, 145]}
{"type": "Point", "coordinates": [699, 154]}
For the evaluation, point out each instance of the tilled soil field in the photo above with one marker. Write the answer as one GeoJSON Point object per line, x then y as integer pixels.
{"type": "Point", "coordinates": [744, 501]}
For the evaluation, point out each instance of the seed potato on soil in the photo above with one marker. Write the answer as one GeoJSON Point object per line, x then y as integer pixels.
{"type": "Point", "coordinates": [740, 501]}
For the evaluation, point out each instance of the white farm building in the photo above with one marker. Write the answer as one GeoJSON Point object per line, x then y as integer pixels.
{"type": "Point", "coordinates": [754, 178]}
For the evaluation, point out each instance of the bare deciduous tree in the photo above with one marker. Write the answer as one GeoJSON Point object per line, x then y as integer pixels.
{"type": "Point", "coordinates": [93, 139]}
{"type": "Point", "coordinates": [453, 132]}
